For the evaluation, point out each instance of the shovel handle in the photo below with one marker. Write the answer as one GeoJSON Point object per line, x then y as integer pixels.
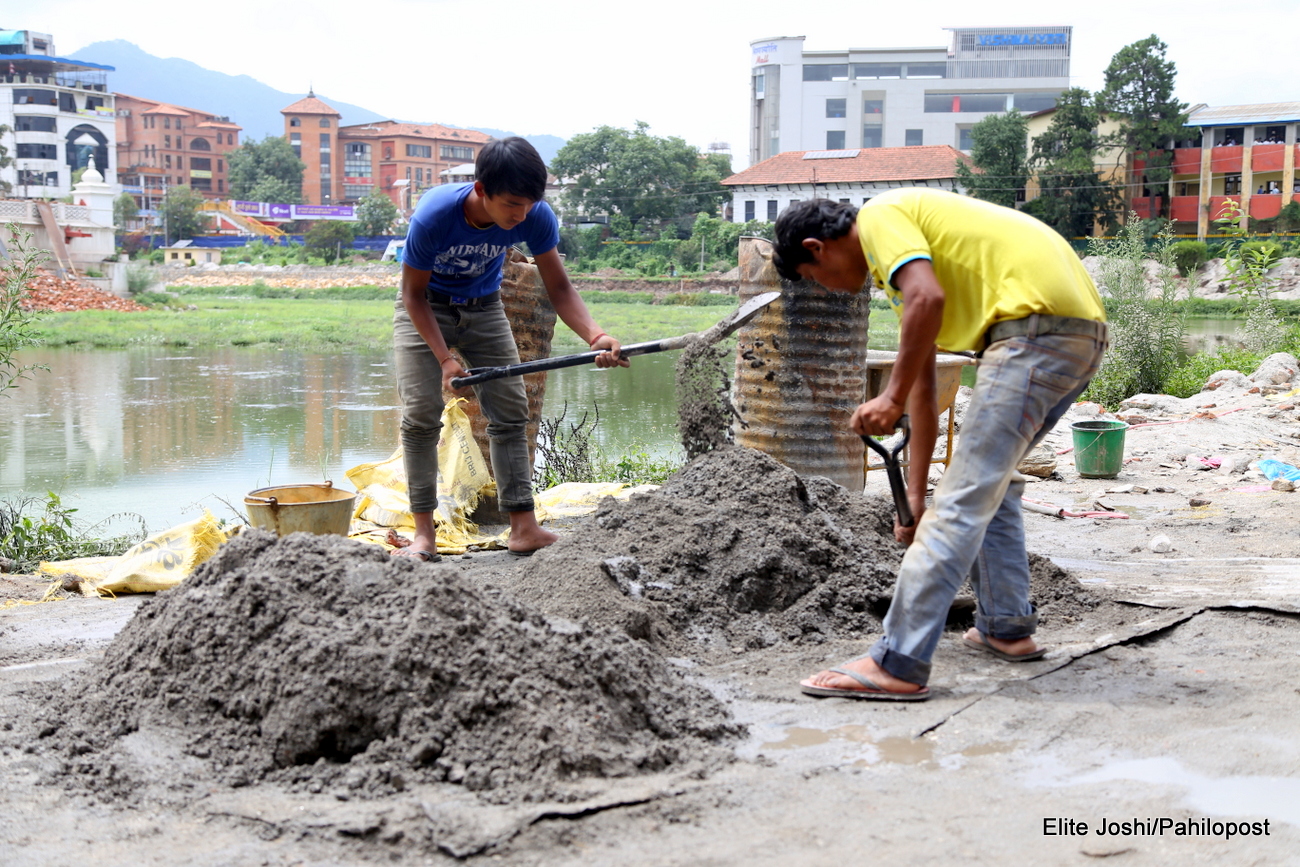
{"type": "Point", "coordinates": [894, 471]}
{"type": "Point", "coordinates": [483, 374]}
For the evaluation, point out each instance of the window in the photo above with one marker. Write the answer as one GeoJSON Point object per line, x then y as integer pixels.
{"type": "Point", "coordinates": [221, 166]}
{"type": "Point", "coordinates": [1232, 185]}
{"type": "Point", "coordinates": [450, 152]}
{"type": "Point", "coordinates": [749, 212]}
{"type": "Point", "coordinates": [201, 163]}
{"type": "Point", "coordinates": [295, 142]}
{"type": "Point", "coordinates": [872, 136]}
{"type": "Point", "coordinates": [419, 177]}
{"type": "Point", "coordinates": [835, 140]}
{"type": "Point", "coordinates": [836, 108]}
{"type": "Point", "coordinates": [180, 143]}
{"type": "Point", "coordinates": [201, 184]}
{"type": "Point", "coordinates": [913, 138]}
{"type": "Point", "coordinates": [927, 70]}
{"type": "Point", "coordinates": [325, 141]}
{"type": "Point", "coordinates": [167, 123]}
{"type": "Point", "coordinates": [66, 102]}
{"type": "Point", "coordinates": [167, 142]}
{"type": "Point", "coordinates": [826, 72]}
{"type": "Point", "coordinates": [964, 140]}
{"type": "Point", "coordinates": [31, 96]}
{"type": "Point", "coordinates": [771, 210]}
{"type": "Point", "coordinates": [425, 151]}
{"type": "Point", "coordinates": [295, 121]}
{"type": "Point", "coordinates": [38, 151]}
{"type": "Point", "coordinates": [873, 106]}
{"type": "Point", "coordinates": [200, 144]}
{"type": "Point", "coordinates": [1030, 102]}
{"type": "Point", "coordinates": [23, 123]}
{"type": "Point", "coordinates": [877, 70]}
{"type": "Point", "coordinates": [955, 102]}
{"type": "Point", "coordinates": [324, 123]}
{"type": "Point", "coordinates": [31, 178]}
{"type": "Point", "coordinates": [760, 83]}
{"type": "Point", "coordinates": [178, 123]}
{"type": "Point", "coordinates": [167, 161]}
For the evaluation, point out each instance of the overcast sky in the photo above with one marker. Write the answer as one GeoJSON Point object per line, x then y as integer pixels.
{"type": "Point", "coordinates": [567, 66]}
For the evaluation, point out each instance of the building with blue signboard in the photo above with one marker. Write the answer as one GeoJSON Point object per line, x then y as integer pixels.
{"type": "Point", "coordinates": [899, 97]}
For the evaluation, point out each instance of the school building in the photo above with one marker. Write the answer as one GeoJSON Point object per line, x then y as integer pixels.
{"type": "Point", "coordinates": [855, 176]}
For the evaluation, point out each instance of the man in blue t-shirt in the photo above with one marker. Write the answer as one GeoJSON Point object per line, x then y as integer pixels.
{"type": "Point", "coordinates": [450, 298]}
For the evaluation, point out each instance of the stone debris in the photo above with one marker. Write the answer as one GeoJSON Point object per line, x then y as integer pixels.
{"type": "Point", "coordinates": [1161, 544]}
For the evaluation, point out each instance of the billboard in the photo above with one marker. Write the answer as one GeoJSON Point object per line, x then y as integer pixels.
{"type": "Point", "coordinates": [281, 213]}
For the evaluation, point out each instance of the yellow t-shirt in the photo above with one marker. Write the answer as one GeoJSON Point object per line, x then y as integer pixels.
{"type": "Point", "coordinates": [994, 263]}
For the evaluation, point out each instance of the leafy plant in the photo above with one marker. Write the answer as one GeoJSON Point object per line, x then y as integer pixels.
{"type": "Point", "coordinates": [1189, 256]}
{"type": "Point", "coordinates": [34, 529]}
{"type": "Point", "coordinates": [568, 452]}
{"type": "Point", "coordinates": [1189, 378]}
{"type": "Point", "coordinates": [1247, 264]}
{"type": "Point", "coordinates": [1146, 333]}
{"type": "Point", "coordinates": [17, 324]}
{"type": "Point", "coordinates": [138, 279]}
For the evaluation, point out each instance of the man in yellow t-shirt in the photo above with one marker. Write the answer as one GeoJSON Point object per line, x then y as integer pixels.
{"type": "Point", "coordinates": [961, 274]}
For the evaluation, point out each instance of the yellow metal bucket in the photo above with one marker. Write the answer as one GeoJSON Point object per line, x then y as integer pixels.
{"type": "Point", "coordinates": [321, 509]}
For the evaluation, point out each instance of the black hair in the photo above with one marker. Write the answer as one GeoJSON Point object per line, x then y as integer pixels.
{"type": "Point", "coordinates": [814, 218]}
{"type": "Point", "coordinates": [511, 166]}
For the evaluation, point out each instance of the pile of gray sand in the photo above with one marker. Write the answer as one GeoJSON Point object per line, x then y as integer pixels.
{"type": "Point", "coordinates": [737, 551]}
{"type": "Point", "coordinates": [325, 664]}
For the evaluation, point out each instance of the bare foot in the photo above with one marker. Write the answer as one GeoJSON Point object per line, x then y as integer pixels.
{"type": "Point", "coordinates": [419, 548]}
{"type": "Point", "coordinates": [531, 538]}
{"type": "Point", "coordinates": [1018, 647]}
{"type": "Point", "coordinates": [867, 667]}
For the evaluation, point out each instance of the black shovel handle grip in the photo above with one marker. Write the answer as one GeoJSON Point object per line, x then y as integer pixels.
{"type": "Point", "coordinates": [894, 471]}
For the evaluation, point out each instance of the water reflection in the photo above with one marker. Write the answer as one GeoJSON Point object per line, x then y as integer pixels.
{"type": "Point", "coordinates": [165, 435]}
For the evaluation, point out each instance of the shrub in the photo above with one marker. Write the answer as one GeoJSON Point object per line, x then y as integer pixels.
{"type": "Point", "coordinates": [138, 279]}
{"type": "Point", "coordinates": [1188, 379]}
{"type": "Point", "coordinates": [1189, 255]}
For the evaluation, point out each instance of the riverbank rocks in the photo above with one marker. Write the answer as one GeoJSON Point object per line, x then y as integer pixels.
{"type": "Point", "coordinates": [319, 662]}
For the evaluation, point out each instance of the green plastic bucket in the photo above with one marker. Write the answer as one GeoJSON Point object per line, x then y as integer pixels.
{"type": "Point", "coordinates": [1098, 448]}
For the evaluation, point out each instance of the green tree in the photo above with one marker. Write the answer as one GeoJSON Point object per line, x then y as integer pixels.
{"type": "Point", "coordinates": [328, 238]}
{"type": "Point", "coordinates": [376, 213]}
{"type": "Point", "coordinates": [17, 323]}
{"type": "Point", "coordinates": [124, 211]}
{"type": "Point", "coordinates": [253, 167]}
{"type": "Point", "coordinates": [639, 176]}
{"type": "Point", "coordinates": [1072, 194]}
{"type": "Point", "coordinates": [1139, 93]}
{"type": "Point", "coordinates": [181, 215]}
{"type": "Point", "coordinates": [1000, 154]}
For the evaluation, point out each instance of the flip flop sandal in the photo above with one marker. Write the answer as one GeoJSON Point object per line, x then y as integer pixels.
{"type": "Point", "coordinates": [871, 690]}
{"type": "Point", "coordinates": [983, 645]}
{"type": "Point", "coordinates": [426, 556]}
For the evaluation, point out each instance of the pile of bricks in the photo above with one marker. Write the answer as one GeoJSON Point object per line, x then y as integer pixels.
{"type": "Point", "coordinates": [283, 281]}
{"type": "Point", "coordinates": [50, 293]}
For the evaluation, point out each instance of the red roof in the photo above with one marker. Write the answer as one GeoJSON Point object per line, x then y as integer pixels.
{"type": "Point", "coordinates": [309, 104]}
{"type": "Point", "coordinates": [925, 162]}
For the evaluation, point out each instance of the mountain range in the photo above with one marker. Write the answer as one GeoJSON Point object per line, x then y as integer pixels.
{"type": "Point", "coordinates": [245, 100]}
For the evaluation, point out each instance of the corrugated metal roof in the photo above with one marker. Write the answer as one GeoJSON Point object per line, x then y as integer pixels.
{"type": "Point", "coordinates": [1262, 112]}
{"type": "Point", "coordinates": [926, 162]}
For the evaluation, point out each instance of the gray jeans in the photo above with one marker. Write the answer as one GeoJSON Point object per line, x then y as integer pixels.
{"type": "Point", "coordinates": [975, 528]}
{"type": "Point", "coordinates": [484, 339]}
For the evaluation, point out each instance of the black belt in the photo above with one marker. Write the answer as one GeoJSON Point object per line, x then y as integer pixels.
{"type": "Point", "coordinates": [1041, 323]}
{"type": "Point", "coordinates": [460, 301]}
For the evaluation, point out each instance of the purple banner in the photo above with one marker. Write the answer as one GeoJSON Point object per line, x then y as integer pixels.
{"type": "Point", "coordinates": [281, 213]}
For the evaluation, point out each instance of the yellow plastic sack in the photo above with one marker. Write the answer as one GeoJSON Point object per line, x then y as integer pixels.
{"type": "Point", "coordinates": [158, 563]}
{"type": "Point", "coordinates": [383, 501]}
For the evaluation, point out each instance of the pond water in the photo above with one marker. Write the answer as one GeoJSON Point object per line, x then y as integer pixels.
{"type": "Point", "coordinates": [164, 434]}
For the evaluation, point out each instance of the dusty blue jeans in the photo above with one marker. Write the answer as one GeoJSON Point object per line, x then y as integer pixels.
{"type": "Point", "coordinates": [975, 527]}
{"type": "Point", "coordinates": [484, 339]}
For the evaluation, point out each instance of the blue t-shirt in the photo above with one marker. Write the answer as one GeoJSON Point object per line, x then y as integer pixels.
{"type": "Point", "coordinates": [465, 261]}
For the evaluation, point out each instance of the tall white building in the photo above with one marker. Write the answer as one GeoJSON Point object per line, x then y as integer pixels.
{"type": "Point", "coordinates": [61, 113]}
{"type": "Point", "coordinates": [898, 97]}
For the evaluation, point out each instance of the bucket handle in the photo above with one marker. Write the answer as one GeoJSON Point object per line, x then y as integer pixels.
{"type": "Point", "coordinates": [273, 502]}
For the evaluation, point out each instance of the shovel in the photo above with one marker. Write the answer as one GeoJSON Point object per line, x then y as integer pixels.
{"type": "Point", "coordinates": [894, 471]}
{"type": "Point", "coordinates": [742, 314]}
